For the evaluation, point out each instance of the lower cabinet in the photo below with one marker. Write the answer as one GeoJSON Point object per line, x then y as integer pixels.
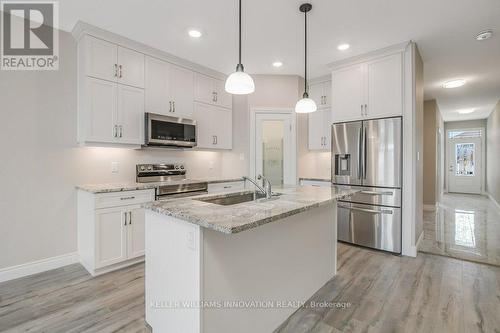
{"type": "Point", "coordinates": [111, 229]}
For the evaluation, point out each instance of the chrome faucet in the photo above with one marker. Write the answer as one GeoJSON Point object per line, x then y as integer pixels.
{"type": "Point", "coordinates": [267, 185]}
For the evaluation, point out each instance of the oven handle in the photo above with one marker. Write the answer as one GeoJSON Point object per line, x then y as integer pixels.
{"type": "Point", "coordinates": [377, 193]}
{"type": "Point", "coordinates": [371, 211]}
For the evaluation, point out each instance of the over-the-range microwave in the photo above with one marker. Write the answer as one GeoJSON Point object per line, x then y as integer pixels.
{"type": "Point", "coordinates": [166, 131]}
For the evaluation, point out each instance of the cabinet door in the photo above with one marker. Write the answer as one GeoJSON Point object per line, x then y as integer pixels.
{"type": "Point", "coordinates": [101, 58]}
{"type": "Point", "coordinates": [110, 236]}
{"type": "Point", "coordinates": [222, 127]}
{"type": "Point", "coordinates": [222, 97]}
{"type": "Point", "coordinates": [316, 94]}
{"type": "Point", "coordinates": [182, 91]}
{"type": "Point", "coordinates": [327, 92]}
{"type": "Point", "coordinates": [130, 67]}
{"type": "Point", "coordinates": [385, 87]}
{"type": "Point", "coordinates": [136, 232]}
{"type": "Point", "coordinates": [202, 115]}
{"type": "Point", "coordinates": [327, 129]}
{"type": "Point", "coordinates": [130, 115]}
{"type": "Point", "coordinates": [204, 90]}
{"type": "Point", "coordinates": [316, 130]}
{"type": "Point", "coordinates": [101, 108]}
{"type": "Point", "coordinates": [348, 92]}
{"type": "Point", "coordinates": [157, 86]}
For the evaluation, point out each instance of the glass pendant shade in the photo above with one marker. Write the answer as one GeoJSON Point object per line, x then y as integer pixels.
{"type": "Point", "coordinates": [305, 105]}
{"type": "Point", "coordinates": [239, 83]}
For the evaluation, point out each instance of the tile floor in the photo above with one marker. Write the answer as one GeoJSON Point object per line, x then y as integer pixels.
{"type": "Point", "coordinates": [464, 227]}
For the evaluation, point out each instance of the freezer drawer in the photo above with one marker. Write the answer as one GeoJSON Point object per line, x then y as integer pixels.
{"type": "Point", "coordinates": [371, 226]}
{"type": "Point", "coordinates": [376, 196]}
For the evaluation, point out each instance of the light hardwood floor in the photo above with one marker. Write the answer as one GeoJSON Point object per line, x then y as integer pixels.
{"type": "Point", "coordinates": [387, 294]}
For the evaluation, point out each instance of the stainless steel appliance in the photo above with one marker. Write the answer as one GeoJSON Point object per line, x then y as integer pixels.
{"type": "Point", "coordinates": [169, 131]}
{"type": "Point", "coordinates": [368, 154]}
{"type": "Point", "coordinates": [171, 178]}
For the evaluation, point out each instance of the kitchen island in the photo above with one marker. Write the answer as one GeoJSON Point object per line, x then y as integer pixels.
{"type": "Point", "coordinates": [229, 263]}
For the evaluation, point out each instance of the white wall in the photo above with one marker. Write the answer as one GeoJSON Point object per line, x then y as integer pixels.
{"type": "Point", "coordinates": [492, 154]}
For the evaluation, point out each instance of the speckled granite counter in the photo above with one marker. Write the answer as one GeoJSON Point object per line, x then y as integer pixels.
{"type": "Point", "coordinates": [236, 218]}
{"type": "Point", "coordinates": [133, 186]}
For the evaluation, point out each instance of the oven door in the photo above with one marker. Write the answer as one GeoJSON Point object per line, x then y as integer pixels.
{"type": "Point", "coordinates": [377, 227]}
{"type": "Point", "coordinates": [169, 131]}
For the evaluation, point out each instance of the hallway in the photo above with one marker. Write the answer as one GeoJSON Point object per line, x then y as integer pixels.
{"type": "Point", "coordinates": [464, 227]}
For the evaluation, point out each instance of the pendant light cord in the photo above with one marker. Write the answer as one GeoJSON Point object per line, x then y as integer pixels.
{"type": "Point", "coordinates": [306, 88]}
{"type": "Point", "coordinates": [239, 56]}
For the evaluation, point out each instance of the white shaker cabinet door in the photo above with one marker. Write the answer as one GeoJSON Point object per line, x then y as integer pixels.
{"type": "Point", "coordinates": [385, 87]}
{"type": "Point", "coordinates": [327, 129]}
{"type": "Point", "coordinates": [204, 90]}
{"type": "Point", "coordinates": [316, 130]}
{"type": "Point", "coordinates": [222, 97]}
{"type": "Point", "coordinates": [181, 91]}
{"type": "Point", "coordinates": [130, 67]}
{"type": "Point", "coordinates": [222, 127]}
{"type": "Point", "coordinates": [136, 232]}
{"type": "Point", "coordinates": [130, 115]}
{"type": "Point", "coordinates": [316, 93]}
{"type": "Point", "coordinates": [327, 88]}
{"type": "Point", "coordinates": [101, 58]}
{"type": "Point", "coordinates": [157, 86]}
{"type": "Point", "coordinates": [110, 236]}
{"type": "Point", "coordinates": [348, 93]}
{"type": "Point", "coordinates": [202, 115]}
{"type": "Point", "coordinates": [98, 118]}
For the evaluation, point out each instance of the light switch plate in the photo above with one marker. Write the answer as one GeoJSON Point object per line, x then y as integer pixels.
{"type": "Point", "coordinates": [115, 168]}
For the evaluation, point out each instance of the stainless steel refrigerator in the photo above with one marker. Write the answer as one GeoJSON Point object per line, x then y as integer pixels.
{"type": "Point", "coordinates": [368, 154]}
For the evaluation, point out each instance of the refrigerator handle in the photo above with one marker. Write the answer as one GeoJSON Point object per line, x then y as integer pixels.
{"type": "Point", "coordinates": [364, 151]}
{"type": "Point", "coordinates": [360, 152]}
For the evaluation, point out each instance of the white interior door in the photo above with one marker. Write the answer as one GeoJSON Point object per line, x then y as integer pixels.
{"type": "Point", "coordinates": [275, 156]}
{"type": "Point", "coordinates": [464, 165]}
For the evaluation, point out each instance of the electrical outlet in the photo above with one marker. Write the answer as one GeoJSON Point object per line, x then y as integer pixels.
{"type": "Point", "coordinates": [211, 165]}
{"type": "Point", "coordinates": [115, 168]}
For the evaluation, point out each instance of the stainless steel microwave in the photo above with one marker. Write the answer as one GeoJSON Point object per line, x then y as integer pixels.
{"type": "Point", "coordinates": [169, 131]}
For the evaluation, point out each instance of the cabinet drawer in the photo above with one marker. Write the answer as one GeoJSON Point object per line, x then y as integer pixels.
{"type": "Point", "coordinates": [229, 186]}
{"type": "Point", "coordinates": [123, 198]}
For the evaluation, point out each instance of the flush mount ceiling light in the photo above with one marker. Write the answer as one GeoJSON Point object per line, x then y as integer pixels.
{"type": "Point", "coordinates": [466, 111]}
{"type": "Point", "coordinates": [277, 64]}
{"type": "Point", "coordinates": [305, 105]}
{"type": "Point", "coordinates": [194, 33]}
{"type": "Point", "coordinates": [454, 83]}
{"type": "Point", "coordinates": [484, 35]}
{"type": "Point", "coordinates": [239, 82]}
{"type": "Point", "coordinates": [343, 47]}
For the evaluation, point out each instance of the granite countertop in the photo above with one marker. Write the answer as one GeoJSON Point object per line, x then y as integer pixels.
{"type": "Point", "coordinates": [133, 186]}
{"type": "Point", "coordinates": [236, 218]}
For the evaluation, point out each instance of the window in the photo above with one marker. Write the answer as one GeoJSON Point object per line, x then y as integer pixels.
{"type": "Point", "coordinates": [465, 159]}
{"type": "Point", "coordinates": [460, 134]}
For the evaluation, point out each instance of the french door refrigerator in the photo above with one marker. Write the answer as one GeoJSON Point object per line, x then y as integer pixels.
{"type": "Point", "coordinates": [368, 154]}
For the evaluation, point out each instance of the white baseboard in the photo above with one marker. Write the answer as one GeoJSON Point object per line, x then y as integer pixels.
{"type": "Point", "coordinates": [430, 208]}
{"type": "Point", "coordinates": [413, 250]}
{"type": "Point", "coordinates": [493, 199]}
{"type": "Point", "coordinates": [15, 272]}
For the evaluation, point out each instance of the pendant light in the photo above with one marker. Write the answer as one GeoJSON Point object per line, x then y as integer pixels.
{"type": "Point", "coordinates": [305, 105]}
{"type": "Point", "coordinates": [239, 82]}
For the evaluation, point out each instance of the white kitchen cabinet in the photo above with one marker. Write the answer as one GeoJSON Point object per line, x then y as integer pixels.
{"type": "Point", "coordinates": [211, 91]}
{"type": "Point", "coordinates": [320, 92]}
{"type": "Point", "coordinates": [100, 101]}
{"type": "Point", "coordinates": [169, 89]}
{"type": "Point", "coordinates": [319, 130]}
{"type": "Point", "coordinates": [130, 115]}
{"type": "Point", "coordinates": [214, 126]}
{"type": "Point", "coordinates": [111, 229]}
{"type": "Point", "coordinates": [108, 61]}
{"type": "Point", "coordinates": [372, 89]}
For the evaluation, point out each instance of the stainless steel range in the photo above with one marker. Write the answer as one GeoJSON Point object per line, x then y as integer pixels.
{"type": "Point", "coordinates": [171, 179]}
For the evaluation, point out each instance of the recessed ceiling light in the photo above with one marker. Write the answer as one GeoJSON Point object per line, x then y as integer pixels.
{"type": "Point", "coordinates": [466, 111]}
{"type": "Point", "coordinates": [277, 64]}
{"type": "Point", "coordinates": [454, 83]}
{"type": "Point", "coordinates": [484, 35]}
{"type": "Point", "coordinates": [343, 47]}
{"type": "Point", "coordinates": [194, 33]}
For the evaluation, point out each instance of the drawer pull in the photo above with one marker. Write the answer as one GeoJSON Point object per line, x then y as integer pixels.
{"type": "Point", "coordinates": [372, 211]}
{"type": "Point", "coordinates": [127, 198]}
{"type": "Point", "coordinates": [376, 193]}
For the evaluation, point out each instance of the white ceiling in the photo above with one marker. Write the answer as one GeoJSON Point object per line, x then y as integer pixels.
{"type": "Point", "coordinates": [273, 30]}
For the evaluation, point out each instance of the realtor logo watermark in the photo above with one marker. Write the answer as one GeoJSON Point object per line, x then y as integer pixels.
{"type": "Point", "coordinates": [29, 35]}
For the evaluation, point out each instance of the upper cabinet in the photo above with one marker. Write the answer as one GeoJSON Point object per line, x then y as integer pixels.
{"type": "Point", "coordinates": [169, 89]}
{"type": "Point", "coordinates": [215, 128]}
{"type": "Point", "coordinates": [321, 93]}
{"type": "Point", "coordinates": [319, 130]}
{"type": "Point", "coordinates": [211, 91]}
{"type": "Point", "coordinates": [108, 61]}
{"type": "Point", "coordinates": [372, 89]}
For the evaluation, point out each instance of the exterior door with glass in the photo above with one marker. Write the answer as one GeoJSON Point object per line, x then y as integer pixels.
{"type": "Point", "coordinates": [274, 148]}
{"type": "Point", "coordinates": [464, 165]}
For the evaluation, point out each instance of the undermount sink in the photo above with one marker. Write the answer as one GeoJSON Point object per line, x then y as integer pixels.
{"type": "Point", "coordinates": [240, 197]}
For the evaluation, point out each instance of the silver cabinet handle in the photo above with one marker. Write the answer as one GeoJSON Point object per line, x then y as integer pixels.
{"type": "Point", "coordinates": [125, 217]}
{"type": "Point", "coordinates": [213, 96]}
{"type": "Point", "coordinates": [127, 198]}
{"type": "Point", "coordinates": [216, 139]}
{"type": "Point", "coordinates": [376, 193]}
{"type": "Point", "coordinates": [121, 130]}
{"type": "Point", "coordinates": [120, 70]}
{"type": "Point", "coordinates": [362, 113]}
{"type": "Point", "coordinates": [130, 218]}
{"type": "Point", "coordinates": [371, 211]}
{"type": "Point", "coordinates": [366, 109]}
{"type": "Point", "coordinates": [116, 70]}
{"type": "Point", "coordinates": [115, 131]}
{"type": "Point", "coordinates": [216, 96]}
{"type": "Point", "coordinates": [170, 106]}
{"type": "Point", "coordinates": [213, 139]}
{"type": "Point", "coordinates": [173, 106]}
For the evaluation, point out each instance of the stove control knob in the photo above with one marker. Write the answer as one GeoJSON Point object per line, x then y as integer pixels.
{"type": "Point", "coordinates": [143, 168]}
{"type": "Point", "coordinates": [182, 167]}
{"type": "Point", "coordinates": [150, 167]}
{"type": "Point", "coordinates": [176, 167]}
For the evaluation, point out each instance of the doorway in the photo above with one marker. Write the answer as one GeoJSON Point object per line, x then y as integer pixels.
{"type": "Point", "coordinates": [465, 161]}
{"type": "Point", "coordinates": [273, 145]}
